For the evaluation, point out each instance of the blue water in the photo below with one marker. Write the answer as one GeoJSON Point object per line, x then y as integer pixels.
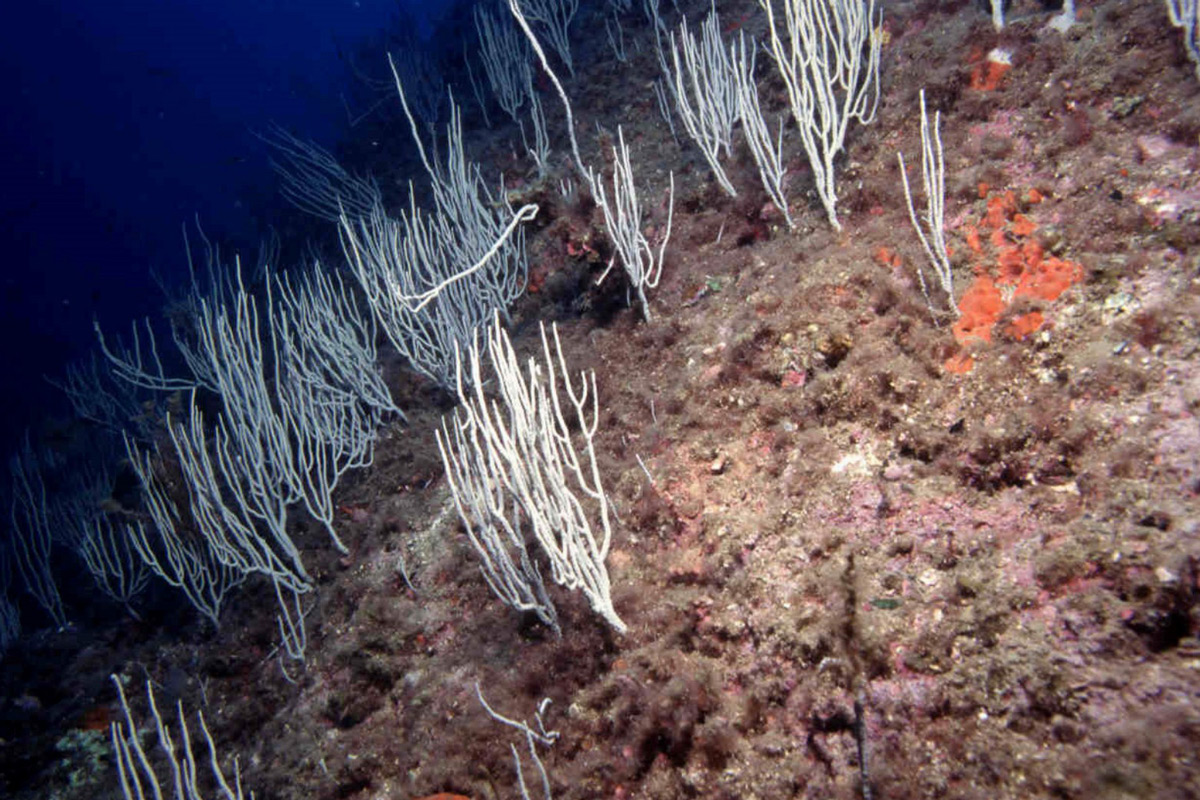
{"type": "Point", "coordinates": [124, 119]}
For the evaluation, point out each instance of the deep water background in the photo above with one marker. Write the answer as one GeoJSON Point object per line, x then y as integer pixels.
{"type": "Point", "coordinates": [123, 120]}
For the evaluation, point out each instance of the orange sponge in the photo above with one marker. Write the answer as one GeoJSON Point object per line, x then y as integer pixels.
{"type": "Point", "coordinates": [979, 308]}
{"type": "Point", "coordinates": [1020, 270]}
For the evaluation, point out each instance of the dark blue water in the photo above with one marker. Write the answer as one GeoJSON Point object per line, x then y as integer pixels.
{"type": "Point", "coordinates": [124, 119]}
